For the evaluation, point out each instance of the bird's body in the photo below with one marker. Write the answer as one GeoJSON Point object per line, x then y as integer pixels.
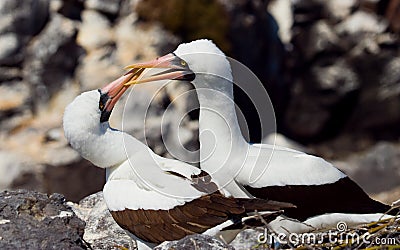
{"type": "Point", "coordinates": [153, 198]}
{"type": "Point", "coordinates": [322, 193]}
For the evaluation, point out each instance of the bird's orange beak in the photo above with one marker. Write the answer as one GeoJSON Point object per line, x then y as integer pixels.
{"type": "Point", "coordinates": [176, 69]}
{"type": "Point", "coordinates": [112, 92]}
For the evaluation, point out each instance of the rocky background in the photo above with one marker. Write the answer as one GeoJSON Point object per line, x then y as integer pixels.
{"type": "Point", "coordinates": [332, 69]}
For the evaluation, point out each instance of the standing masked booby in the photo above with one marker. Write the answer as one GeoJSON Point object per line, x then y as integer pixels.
{"type": "Point", "coordinates": [322, 194]}
{"type": "Point", "coordinates": [156, 199]}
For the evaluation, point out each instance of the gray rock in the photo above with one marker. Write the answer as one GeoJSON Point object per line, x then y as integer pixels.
{"type": "Point", "coordinates": [390, 80]}
{"type": "Point", "coordinates": [10, 74]}
{"type": "Point", "coordinates": [17, 167]}
{"type": "Point", "coordinates": [19, 21]}
{"type": "Point", "coordinates": [52, 57]}
{"type": "Point", "coordinates": [247, 239]}
{"type": "Point", "coordinates": [343, 78]}
{"type": "Point", "coordinates": [376, 169]}
{"type": "Point", "coordinates": [15, 103]}
{"type": "Point", "coordinates": [101, 231]}
{"type": "Point", "coordinates": [339, 9]}
{"type": "Point", "coordinates": [32, 220]}
{"type": "Point", "coordinates": [107, 6]}
{"type": "Point", "coordinates": [317, 38]}
{"type": "Point", "coordinates": [197, 241]}
{"type": "Point", "coordinates": [362, 21]}
{"type": "Point", "coordinates": [281, 140]}
{"type": "Point", "coordinates": [74, 179]}
{"type": "Point", "coordinates": [9, 46]}
{"type": "Point", "coordinates": [328, 85]}
{"type": "Point", "coordinates": [338, 77]}
{"type": "Point", "coordinates": [95, 31]}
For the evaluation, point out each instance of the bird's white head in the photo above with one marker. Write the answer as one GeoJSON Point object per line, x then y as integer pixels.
{"type": "Point", "coordinates": [201, 57]}
{"type": "Point", "coordinates": [86, 124]}
{"type": "Point", "coordinates": [206, 60]}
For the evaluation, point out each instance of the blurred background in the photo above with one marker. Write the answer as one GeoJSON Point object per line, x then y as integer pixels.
{"type": "Point", "coordinates": [331, 68]}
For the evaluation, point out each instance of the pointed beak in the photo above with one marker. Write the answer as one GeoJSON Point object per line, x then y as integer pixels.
{"type": "Point", "coordinates": [112, 92]}
{"type": "Point", "coordinates": [175, 69]}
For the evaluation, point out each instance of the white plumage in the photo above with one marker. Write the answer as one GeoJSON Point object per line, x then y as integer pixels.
{"type": "Point", "coordinates": [269, 171]}
{"type": "Point", "coordinates": [154, 198]}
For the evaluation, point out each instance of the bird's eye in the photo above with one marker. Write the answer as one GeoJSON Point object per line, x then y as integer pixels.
{"type": "Point", "coordinates": [101, 106]}
{"type": "Point", "coordinates": [183, 63]}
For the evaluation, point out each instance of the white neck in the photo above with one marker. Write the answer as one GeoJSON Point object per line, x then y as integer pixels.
{"type": "Point", "coordinates": [220, 135]}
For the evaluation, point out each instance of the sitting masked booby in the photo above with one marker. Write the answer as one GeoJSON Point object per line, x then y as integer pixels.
{"type": "Point", "coordinates": [156, 199]}
{"type": "Point", "coordinates": [315, 186]}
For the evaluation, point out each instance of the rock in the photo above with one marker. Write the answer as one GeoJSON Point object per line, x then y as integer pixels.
{"type": "Point", "coordinates": [101, 231]}
{"type": "Point", "coordinates": [390, 80]}
{"type": "Point", "coordinates": [341, 62]}
{"type": "Point", "coordinates": [362, 21]}
{"type": "Point", "coordinates": [19, 21]}
{"type": "Point", "coordinates": [52, 57]}
{"type": "Point", "coordinates": [247, 239]}
{"type": "Point", "coordinates": [388, 196]}
{"type": "Point", "coordinates": [32, 220]}
{"type": "Point", "coordinates": [265, 58]}
{"type": "Point", "coordinates": [281, 140]}
{"type": "Point", "coordinates": [338, 77]}
{"type": "Point", "coordinates": [19, 170]}
{"type": "Point", "coordinates": [393, 15]}
{"type": "Point", "coordinates": [197, 241]}
{"type": "Point", "coordinates": [9, 46]}
{"type": "Point", "coordinates": [95, 31]}
{"type": "Point", "coordinates": [15, 97]}
{"type": "Point", "coordinates": [96, 69]}
{"type": "Point", "coordinates": [317, 38]}
{"type": "Point", "coordinates": [10, 74]}
{"type": "Point", "coordinates": [377, 169]}
{"type": "Point", "coordinates": [282, 12]}
{"type": "Point", "coordinates": [340, 9]}
{"type": "Point", "coordinates": [107, 6]}
{"type": "Point", "coordinates": [74, 179]}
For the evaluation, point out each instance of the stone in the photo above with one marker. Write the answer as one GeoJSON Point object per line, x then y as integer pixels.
{"type": "Point", "coordinates": [95, 31]}
{"type": "Point", "coordinates": [362, 21]}
{"type": "Point", "coordinates": [96, 69]}
{"type": "Point", "coordinates": [52, 58]}
{"type": "Point", "coordinates": [101, 231]}
{"type": "Point", "coordinates": [197, 241]}
{"type": "Point", "coordinates": [13, 95]}
{"type": "Point", "coordinates": [339, 9]}
{"type": "Point", "coordinates": [282, 12]}
{"type": "Point", "coordinates": [393, 15]}
{"type": "Point", "coordinates": [33, 220]}
{"type": "Point", "coordinates": [9, 46]}
{"type": "Point", "coordinates": [17, 167]}
{"type": "Point", "coordinates": [317, 38]}
{"type": "Point", "coordinates": [337, 76]}
{"type": "Point", "coordinates": [368, 168]}
{"type": "Point", "coordinates": [107, 6]}
{"type": "Point", "coordinates": [390, 80]}
{"type": "Point", "coordinates": [281, 140]}
{"type": "Point", "coordinates": [247, 239]}
{"type": "Point", "coordinates": [8, 74]}
{"type": "Point", "coordinates": [19, 21]}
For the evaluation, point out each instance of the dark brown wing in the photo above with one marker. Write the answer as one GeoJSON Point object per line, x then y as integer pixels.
{"type": "Point", "coordinates": [343, 196]}
{"type": "Point", "coordinates": [194, 217]}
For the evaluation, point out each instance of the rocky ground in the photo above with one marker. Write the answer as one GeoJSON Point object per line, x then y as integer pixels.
{"type": "Point", "coordinates": [332, 72]}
